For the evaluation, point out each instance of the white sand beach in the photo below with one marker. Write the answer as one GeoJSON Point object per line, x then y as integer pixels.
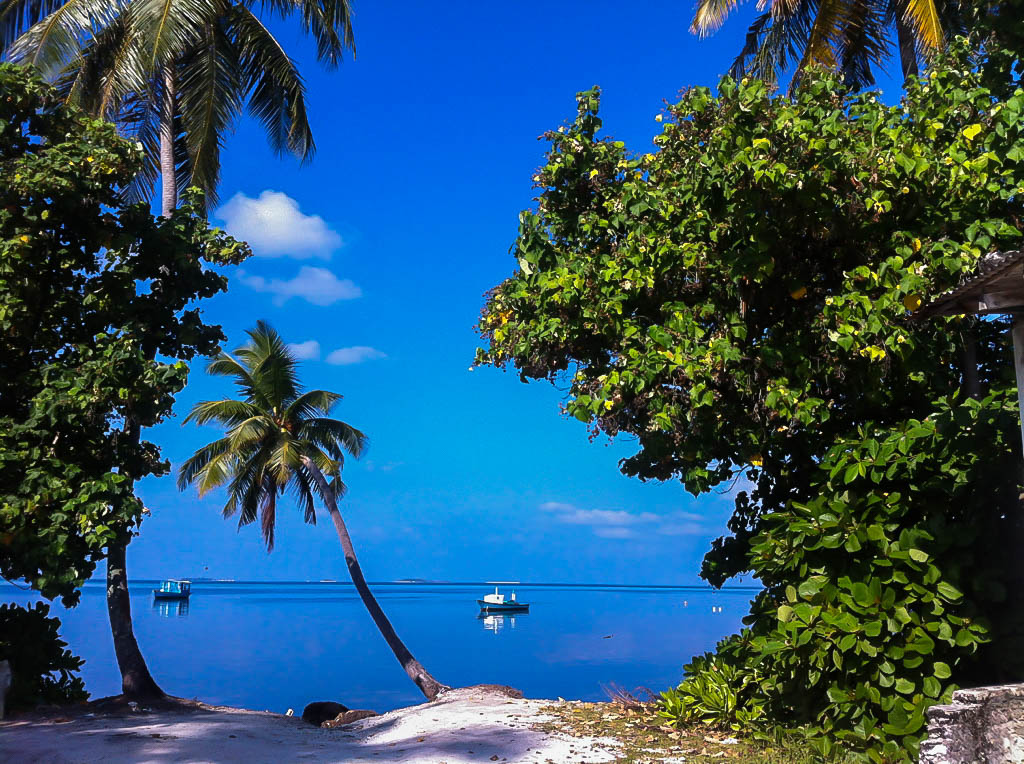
{"type": "Point", "coordinates": [464, 726]}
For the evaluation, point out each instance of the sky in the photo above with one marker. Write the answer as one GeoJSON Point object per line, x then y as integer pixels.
{"type": "Point", "coordinates": [372, 261]}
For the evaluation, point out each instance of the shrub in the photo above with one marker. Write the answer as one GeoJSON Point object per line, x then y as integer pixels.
{"type": "Point", "coordinates": [43, 668]}
{"type": "Point", "coordinates": [864, 622]}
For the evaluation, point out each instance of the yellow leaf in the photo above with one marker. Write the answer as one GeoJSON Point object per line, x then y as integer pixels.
{"type": "Point", "coordinates": [912, 302]}
{"type": "Point", "coordinates": [971, 131]}
{"type": "Point", "coordinates": [798, 293]}
{"type": "Point", "coordinates": [756, 460]}
{"type": "Point", "coordinates": [917, 245]}
{"type": "Point", "coordinates": [593, 173]}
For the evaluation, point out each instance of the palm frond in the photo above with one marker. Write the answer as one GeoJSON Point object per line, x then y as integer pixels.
{"type": "Point", "coordinates": [710, 15]}
{"type": "Point", "coordinates": [924, 17]}
{"type": "Point", "coordinates": [323, 431]}
{"type": "Point", "coordinates": [824, 36]}
{"type": "Point", "coordinates": [193, 467]}
{"type": "Point", "coordinates": [55, 40]}
{"type": "Point", "coordinates": [864, 44]}
{"type": "Point", "coordinates": [252, 431]}
{"type": "Point", "coordinates": [273, 368]}
{"type": "Point", "coordinates": [311, 403]}
{"type": "Point", "coordinates": [268, 517]}
{"type": "Point", "coordinates": [302, 489]}
{"type": "Point", "coordinates": [772, 43]}
{"type": "Point", "coordinates": [277, 94]}
{"type": "Point", "coordinates": [169, 29]}
{"type": "Point", "coordinates": [18, 16]}
{"type": "Point", "coordinates": [329, 21]}
{"type": "Point", "coordinates": [210, 100]}
{"type": "Point", "coordinates": [226, 411]}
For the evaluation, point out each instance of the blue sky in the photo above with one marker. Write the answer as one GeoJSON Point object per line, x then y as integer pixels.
{"type": "Point", "coordinates": [373, 260]}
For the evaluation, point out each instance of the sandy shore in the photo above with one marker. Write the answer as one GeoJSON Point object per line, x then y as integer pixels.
{"type": "Point", "coordinates": [467, 725]}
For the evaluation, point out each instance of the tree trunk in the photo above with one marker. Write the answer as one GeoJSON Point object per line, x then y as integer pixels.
{"type": "Point", "coordinates": [168, 174]}
{"type": "Point", "coordinates": [136, 681]}
{"type": "Point", "coordinates": [427, 684]}
{"type": "Point", "coordinates": [905, 39]}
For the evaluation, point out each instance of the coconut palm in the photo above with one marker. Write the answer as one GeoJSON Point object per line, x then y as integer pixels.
{"type": "Point", "coordinates": [851, 36]}
{"type": "Point", "coordinates": [177, 74]}
{"type": "Point", "coordinates": [279, 437]}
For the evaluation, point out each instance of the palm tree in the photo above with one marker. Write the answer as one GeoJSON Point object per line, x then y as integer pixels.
{"type": "Point", "coordinates": [177, 74]}
{"type": "Point", "coordinates": [851, 36]}
{"type": "Point", "coordinates": [174, 75]}
{"type": "Point", "coordinates": [279, 437]}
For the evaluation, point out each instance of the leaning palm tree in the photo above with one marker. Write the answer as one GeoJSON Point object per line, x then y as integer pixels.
{"type": "Point", "coordinates": [851, 36]}
{"type": "Point", "coordinates": [176, 75]}
{"type": "Point", "coordinates": [279, 437]}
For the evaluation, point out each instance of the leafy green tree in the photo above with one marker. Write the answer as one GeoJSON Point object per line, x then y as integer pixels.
{"type": "Point", "coordinates": [177, 76]}
{"type": "Point", "coordinates": [850, 37]}
{"type": "Point", "coordinates": [739, 302]}
{"type": "Point", "coordinates": [96, 324]}
{"type": "Point", "coordinates": [281, 437]}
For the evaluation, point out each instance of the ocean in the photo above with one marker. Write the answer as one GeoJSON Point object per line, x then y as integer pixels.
{"type": "Point", "coordinates": [281, 645]}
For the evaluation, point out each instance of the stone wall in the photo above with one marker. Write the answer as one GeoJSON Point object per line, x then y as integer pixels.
{"type": "Point", "coordinates": [981, 726]}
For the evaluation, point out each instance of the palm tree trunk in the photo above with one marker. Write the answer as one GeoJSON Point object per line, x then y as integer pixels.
{"type": "Point", "coordinates": [136, 681]}
{"type": "Point", "coordinates": [427, 684]}
{"type": "Point", "coordinates": [168, 174]}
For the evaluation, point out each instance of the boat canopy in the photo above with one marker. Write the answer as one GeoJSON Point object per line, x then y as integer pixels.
{"type": "Point", "coordinates": [176, 586]}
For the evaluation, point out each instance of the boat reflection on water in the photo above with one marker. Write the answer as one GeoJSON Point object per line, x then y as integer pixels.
{"type": "Point", "coordinates": [495, 623]}
{"type": "Point", "coordinates": [171, 608]}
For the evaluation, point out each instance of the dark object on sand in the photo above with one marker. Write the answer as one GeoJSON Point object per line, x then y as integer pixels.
{"type": "Point", "coordinates": [348, 717]}
{"type": "Point", "coordinates": [321, 711]}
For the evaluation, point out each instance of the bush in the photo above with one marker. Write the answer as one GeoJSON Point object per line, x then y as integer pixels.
{"type": "Point", "coordinates": [43, 668]}
{"type": "Point", "coordinates": [881, 592]}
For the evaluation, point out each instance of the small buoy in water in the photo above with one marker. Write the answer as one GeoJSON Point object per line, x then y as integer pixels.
{"type": "Point", "coordinates": [685, 603]}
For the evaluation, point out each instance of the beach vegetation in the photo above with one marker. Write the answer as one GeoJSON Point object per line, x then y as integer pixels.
{"type": "Point", "coordinates": [740, 303]}
{"type": "Point", "coordinates": [97, 324]}
{"type": "Point", "coordinates": [43, 670]}
{"type": "Point", "coordinates": [281, 437]}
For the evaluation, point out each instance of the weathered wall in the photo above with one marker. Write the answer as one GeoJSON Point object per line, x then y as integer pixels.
{"type": "Point", "coordinates": [981, 726]}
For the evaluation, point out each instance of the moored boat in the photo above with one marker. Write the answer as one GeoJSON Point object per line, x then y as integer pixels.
{"type": "Point", "coordinates": [173, 589]}
{"type": "Point", "coordinates": [496, 603]}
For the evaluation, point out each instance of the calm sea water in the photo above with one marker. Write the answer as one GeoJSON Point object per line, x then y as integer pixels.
{"type": "Point", "coordinates": [281, 645]}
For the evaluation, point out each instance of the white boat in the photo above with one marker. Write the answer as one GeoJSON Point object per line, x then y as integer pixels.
{"type": "Point", "coordinates": [173, 589]}
{"type": "Point", "coordinates": [496, 603]}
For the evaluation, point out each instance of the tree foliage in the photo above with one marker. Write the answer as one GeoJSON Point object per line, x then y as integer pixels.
{"type": "Point", "coordinates": [96, 324]}
{"type": "Point", "coordinates": [740, 302]}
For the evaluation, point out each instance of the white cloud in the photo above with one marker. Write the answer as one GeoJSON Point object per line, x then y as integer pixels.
{"type": "Point", "coordinates": [305, 351]}
{"type": "Point", "coordinates": [316, 285]}
{"type": "Point", "coordinates": [614, 533]}
{"type": "Point", "coordinates": [355, 354]}
{"type": "Point", "coordinates": [606, 517]}
{"type": "Point", "coordinates": [274, 226]}
{"type": "Point", "coordinates": [620, 524]}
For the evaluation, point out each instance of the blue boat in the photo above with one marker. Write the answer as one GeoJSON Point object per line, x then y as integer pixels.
{"type": "Point", "coordinates": [496, 603]}
{"type": "Point", "coordinates": [173, 589]}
